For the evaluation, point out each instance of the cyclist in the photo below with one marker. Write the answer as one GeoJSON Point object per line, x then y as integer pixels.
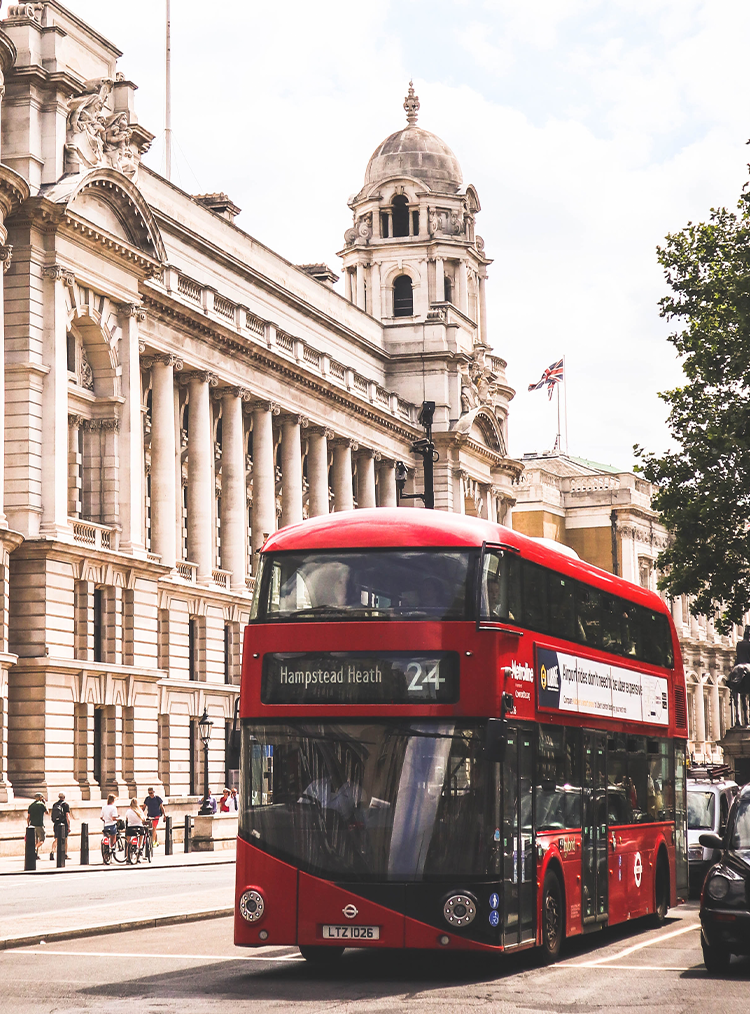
{"type": "Point", "coordinates": [109, 817]}
{"type": "Point", "coordinates": [153, 806]}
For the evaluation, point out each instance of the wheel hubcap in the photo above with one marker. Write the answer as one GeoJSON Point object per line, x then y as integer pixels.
{"type": "Point", "coordinates": [552, 919]}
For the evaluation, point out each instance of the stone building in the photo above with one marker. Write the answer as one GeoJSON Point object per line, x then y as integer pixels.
{"type": "Point", "coordinates": [174, 391]}
{"type": "Point", "coordinates": [606, 516]}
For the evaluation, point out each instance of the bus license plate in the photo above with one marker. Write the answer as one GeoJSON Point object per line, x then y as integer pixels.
{"type": "Point", "coordinates": [351, 932]}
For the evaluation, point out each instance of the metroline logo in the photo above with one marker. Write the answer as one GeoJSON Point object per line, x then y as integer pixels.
{"type": "Point", "coordinates": [521, 671]}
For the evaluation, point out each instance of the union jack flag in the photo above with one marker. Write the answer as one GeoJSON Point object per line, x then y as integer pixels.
{"type": "Point", "coordinates": [551, 376]}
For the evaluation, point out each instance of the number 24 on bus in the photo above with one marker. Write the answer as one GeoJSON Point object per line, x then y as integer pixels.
{"type": "Point", "coordinates": [455, 737]}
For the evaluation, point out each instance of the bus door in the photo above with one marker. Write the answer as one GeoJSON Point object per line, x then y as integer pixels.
{"type": "Point", "coordinates": [595, 873]}
{"type": "Point", "coordinates": [519, 869]}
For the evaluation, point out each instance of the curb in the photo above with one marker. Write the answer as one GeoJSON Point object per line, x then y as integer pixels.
{"type": "Point", "coordinates": [120, 927]}
{"type": "Point", "coordinates": [100, 867]}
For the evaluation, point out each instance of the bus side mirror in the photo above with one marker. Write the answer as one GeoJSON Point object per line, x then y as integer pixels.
{"type": "Point", "coordinates": [495, 740]}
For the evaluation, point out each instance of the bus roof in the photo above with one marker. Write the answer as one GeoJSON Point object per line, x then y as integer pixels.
{"type": "Point", "coordinates": [410, 528]}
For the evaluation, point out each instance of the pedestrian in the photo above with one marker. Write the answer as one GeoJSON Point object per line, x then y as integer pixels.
{"type": "Point", "coordinates": [134, 815]}
{"type": "Point", "coordinates": [234, 803]}
{"type": "Point", "coordinates": [210, 801]}
{"type": "Point", "coordinates": [154, 807]}
{"type": "Point", "coordinates": [224, 802]}
{"type": "Point", "coordinates": [61, 822]}
{"type": "Point", "coordinates": [35, 819]}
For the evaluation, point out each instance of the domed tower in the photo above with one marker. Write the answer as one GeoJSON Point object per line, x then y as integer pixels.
{"type": "Point", "coordinates": [412, 259]}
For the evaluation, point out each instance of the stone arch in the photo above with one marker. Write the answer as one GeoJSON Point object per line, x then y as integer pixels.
{"type": "Point", "coordinates": [113, 203]}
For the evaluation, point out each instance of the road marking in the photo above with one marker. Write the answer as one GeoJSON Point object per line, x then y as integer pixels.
{"type": "Point", "coordinates": [598, 962]}
{"type": "Point", "coordinates": [631, 968]}
{"type": "Point", "coordinates": [160, 957]}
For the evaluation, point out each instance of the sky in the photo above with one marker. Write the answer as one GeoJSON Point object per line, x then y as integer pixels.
{"type": "Point", "coordinates": [590, 128]}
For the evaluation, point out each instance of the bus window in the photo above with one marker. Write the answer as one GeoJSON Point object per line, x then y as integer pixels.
{"type": "Point", "coordinates": [637, 772]}
{"type": "Point", "coordinates": [501, 587]}
{"type": "Point", "coordinates": [562, 607]}
{"type": "Point", "coordinates": [535, 604]}
{"type": "Point", "coordinates": [588, 601]}
{"type": "Point", "coordinates": [368, 584]}
{"type": "Point", "coordinates": [621, 796]}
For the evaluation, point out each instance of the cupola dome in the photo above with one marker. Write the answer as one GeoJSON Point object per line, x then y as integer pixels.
{"type": "Point", "coordinates": [415, 152]}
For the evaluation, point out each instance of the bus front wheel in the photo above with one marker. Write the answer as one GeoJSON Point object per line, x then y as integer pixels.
{"type": "Point", "coordinates": [321, 955]}
{"type": "Point", "coordinates": [661, 891]}
{"type": "Point", "coordinates": [553, 917]}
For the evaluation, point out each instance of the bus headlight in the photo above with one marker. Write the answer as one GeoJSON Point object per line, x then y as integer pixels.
{"type": "Point", "coordinates": [460, 910]}
{"type": "Point", "coordinates": [252, 906]}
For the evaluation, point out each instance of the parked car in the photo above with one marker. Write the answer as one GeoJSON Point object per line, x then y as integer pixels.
{"type": "Point", "coordinates": [708, 809]}
{"type": "Point", "coordinates": [725, 901]}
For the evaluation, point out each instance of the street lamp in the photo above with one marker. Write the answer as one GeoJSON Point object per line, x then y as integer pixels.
{"type": "Point", "coordinates": [204, 728]}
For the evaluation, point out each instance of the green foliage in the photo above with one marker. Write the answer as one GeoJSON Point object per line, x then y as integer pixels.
{"type": "Point", "coordinates": [704, 486]}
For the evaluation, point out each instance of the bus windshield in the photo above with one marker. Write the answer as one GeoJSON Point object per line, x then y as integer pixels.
{"type": "Point", "coordinates": [367, 584]}
{"type": "Point", "coordinates": [391, 800]}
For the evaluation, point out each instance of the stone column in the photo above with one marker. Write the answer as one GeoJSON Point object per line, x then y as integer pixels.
{"type": "Point", "coordinates": [291, 469]}
{"type": "Point", "coordinates": [463, 287]}
{"type": "Point", "coordinates": [264, 474]}
{"type": "Point", "coordinates": [163, 454]}
{"type": "Point", "coordinates": [366, 479]}
{"type": "Point", "coordinates": [699, 736]}
{"type": "Point", "coordinates": [233, 486]}
{"type": "Point", "coordinates": [347, 284]}
{"type": "Point", "coordinates": [387, 484]}
{"type": "Point", "coordinates": [375, 293]}
{"type": "Point", "coordinates": [200, 520]}
{"type": "Point", "coordinates": [715, 710]}
{"type": "Point", "coordinates": [54, 403]}
{"type": "Point", "coordinates": [439, 280]}
{"type": "Point", "coordinates": [130, 448]}
{"type": "Point", "coordinates": [342, 474]}
{"type": "Point", "coordinates": [317, 469]}
{"type": "Point", "coordinates": [361, 286]}
{"type": "Point", "coordinates": [483, 337]}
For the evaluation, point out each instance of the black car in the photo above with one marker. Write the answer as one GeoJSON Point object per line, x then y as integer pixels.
{"type": "Point", "coordinates": [725, 901]}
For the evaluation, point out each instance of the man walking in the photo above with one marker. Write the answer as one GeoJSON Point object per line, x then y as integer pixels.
{"type": "Point", "coordinates": [61, 822]}
{"type": "Point", "coordinates": [35, 819]}
{"type": "Point", "coordinates": [153, 806]}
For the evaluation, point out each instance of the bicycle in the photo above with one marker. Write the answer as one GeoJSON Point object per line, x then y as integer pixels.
{"type": "Point", "coordinates": [113, 846]}
{"type": "Point", "coordinates": [137, 844]}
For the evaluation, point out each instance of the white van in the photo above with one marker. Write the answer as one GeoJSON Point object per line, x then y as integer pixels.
{"type": "Point", "coordinates": [708, 807]}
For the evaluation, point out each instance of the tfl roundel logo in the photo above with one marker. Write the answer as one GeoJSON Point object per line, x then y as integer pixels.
{"type": "Point", "coordinates": [543, 677]}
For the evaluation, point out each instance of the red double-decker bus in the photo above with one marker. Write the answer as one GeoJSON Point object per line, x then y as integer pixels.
{"type": "Point", "coordinates": [453, 736]}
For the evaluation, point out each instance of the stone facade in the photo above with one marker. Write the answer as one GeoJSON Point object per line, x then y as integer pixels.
{"type": "Point", "coordinates": [607, 518]}
{"type": "Point", "coordinates": [174, 391]}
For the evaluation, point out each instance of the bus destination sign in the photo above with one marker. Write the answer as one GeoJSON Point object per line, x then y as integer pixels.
{"type": "Point", "coordinates": [569, 683]}
{"type": "Point", "coordinates": [372, 677]}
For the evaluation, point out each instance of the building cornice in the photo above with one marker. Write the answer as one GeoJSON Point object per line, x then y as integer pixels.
{"type": "Point", "coordinates": [243, 349]}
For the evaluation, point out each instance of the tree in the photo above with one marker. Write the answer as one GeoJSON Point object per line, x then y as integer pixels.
{"type": "Point", "coordinates": [703, 488]}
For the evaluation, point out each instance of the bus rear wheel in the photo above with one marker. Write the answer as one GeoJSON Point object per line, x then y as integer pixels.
{"type": "Point", "coordinates": [553, 920]}
{"type": "Point", "coordinates": [320, 955]}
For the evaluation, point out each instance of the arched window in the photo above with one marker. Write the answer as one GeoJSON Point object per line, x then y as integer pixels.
{"type": "Point", "coordinates": [400, 216]}
{"type": "Point", "coordinates": [403, 297]}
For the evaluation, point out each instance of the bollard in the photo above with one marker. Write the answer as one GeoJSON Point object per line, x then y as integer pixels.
{"type": "Point", "coordinates": [167, 836]}
{"type": "Point", "coordinates": [84, 845]}
{"type": "Point", "coordinates": [29, 862]}
{"type": "Point", "coordinates": [187, 832]}
{"type": "Point", "coordinates": [61, 843]}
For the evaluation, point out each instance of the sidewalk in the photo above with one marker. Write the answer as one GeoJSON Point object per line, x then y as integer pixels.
{"type": "Point", "coordinates": [13, 865]}
{"type": "Point", "coordinates": [189, 900]}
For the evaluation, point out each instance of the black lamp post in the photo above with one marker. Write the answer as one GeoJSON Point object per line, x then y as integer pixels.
{"type": "Point", "coordinates": [204, 727]}
{"type": "Point", "coordinates": [426, 449]}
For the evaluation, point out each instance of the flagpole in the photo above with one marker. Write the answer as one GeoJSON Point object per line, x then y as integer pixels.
{"type": "Point", "coordinates": [565, 382]}
{"type": "Point", "coordinates": [168, 109]}
{"type": "Point", "coordinates": [558, 446]}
